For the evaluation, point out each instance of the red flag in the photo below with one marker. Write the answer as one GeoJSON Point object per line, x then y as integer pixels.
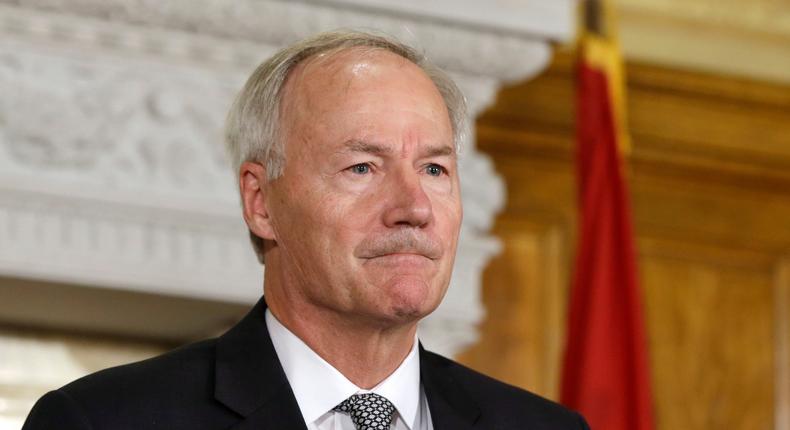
{"type": "Point", "coordinates": [606, 375]}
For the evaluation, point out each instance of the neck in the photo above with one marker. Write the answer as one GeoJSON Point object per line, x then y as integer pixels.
{"type": "Point", "coordinates": [365, 354]}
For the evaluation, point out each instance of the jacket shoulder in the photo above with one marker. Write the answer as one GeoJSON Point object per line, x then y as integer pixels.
{"type": "Point", "coordinates": [505, 406]}
{"type": "Point", "coordinates": [167, 391]}
{"type": "Point", "coordinates": [188, 366]}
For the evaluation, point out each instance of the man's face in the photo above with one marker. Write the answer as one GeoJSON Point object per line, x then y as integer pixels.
{"type": "Point", "coordinates": [367, 212]}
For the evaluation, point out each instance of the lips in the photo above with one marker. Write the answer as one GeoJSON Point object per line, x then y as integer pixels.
{"type": "Point", "coordinates": [401, 260]}
{"type": "Point", "coordinates": [428, 251]}
{"type": "Point", "coordinates": [404, 253]}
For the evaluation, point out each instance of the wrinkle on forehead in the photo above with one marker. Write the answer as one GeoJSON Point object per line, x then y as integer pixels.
{"type": "Point", "coordinates": [331, 76]}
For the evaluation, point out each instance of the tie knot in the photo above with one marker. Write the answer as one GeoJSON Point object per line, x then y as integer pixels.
{"type": "Point", "coordinates": [368, 411]}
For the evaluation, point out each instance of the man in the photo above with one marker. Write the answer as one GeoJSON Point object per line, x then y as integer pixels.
{"type": "Point", "coordinates": [345, 148]}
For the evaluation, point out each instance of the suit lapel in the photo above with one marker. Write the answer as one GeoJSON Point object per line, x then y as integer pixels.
{"type": "Point", "coordinates": [249, 378]}
{"type": "Point", "coordinates": [281, 412]}
{"type": "Point", "coordinates": [451, 406]}
{"type": "Point", "coordinates": [250, 381]}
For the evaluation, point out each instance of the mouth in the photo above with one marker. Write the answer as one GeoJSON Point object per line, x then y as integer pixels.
{"type": "Point", "coordinates": [401, 258]}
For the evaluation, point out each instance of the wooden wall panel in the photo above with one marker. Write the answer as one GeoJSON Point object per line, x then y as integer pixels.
{"type": "Point", "coordinates": [710, 184]}
{"type": "Point", "coordinates": [782, 339]}
{"type": "Point", "coordinates": [526, 285]}
{"type": "Point", "coordinates": [521, 339]}
{"type": "Point", "coordinates": [711, 340]}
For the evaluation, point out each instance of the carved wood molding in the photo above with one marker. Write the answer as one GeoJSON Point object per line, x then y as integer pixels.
{"type": "Point", "coordinates": [728, 130]}
{"type": "Point", "coordinates": [741, 38]}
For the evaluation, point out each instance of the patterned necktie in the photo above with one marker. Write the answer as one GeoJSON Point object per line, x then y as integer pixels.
{"type": "Point", "coordinates": [368, 411]}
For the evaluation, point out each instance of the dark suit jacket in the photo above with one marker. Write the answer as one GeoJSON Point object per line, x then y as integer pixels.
{"type": "Point", "coordinates": [236, 382]}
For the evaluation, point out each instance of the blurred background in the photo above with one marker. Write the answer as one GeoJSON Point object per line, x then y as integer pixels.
{"type": "Point", "coordinates": [121, 237]}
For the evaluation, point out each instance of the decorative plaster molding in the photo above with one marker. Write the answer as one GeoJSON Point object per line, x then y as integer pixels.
{"type": "Point", "coordinates": [466, 50]}
{"type": "Point", "coordinates": [131, 125]}
{"type": "Point", "coordinates": [93, 240]}
{"type": "Point", "coordinates": [553, 19]}
{"type": "Point", "coordinates": [110, 151]}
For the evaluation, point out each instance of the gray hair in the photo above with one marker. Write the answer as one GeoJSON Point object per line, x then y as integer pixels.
{"type": "Point", "coordinates": [252, 128]}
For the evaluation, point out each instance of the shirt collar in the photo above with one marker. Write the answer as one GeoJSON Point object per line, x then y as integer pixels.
{"type": "Point", "coordinates": [319, 387]}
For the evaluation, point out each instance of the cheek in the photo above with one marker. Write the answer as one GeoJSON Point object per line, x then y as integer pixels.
{"type": "Point", "coordinates": [441, 186]}
{"type": "Point", "coordinates": [305, 219]}
{"type": "Point", "coordinates": [339, 223]}
{"type": "Point", "coordinates": [448, 212]}
{"type": "Point", "coordinates": [445, 196]}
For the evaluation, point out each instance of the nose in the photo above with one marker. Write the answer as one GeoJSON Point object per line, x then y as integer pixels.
{"type": "Point", "coordinates": [407, 203]}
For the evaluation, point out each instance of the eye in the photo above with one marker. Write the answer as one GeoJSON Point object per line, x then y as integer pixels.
{"type": "Point", "coordinates": [435, 170]}
{"type": "Point", "coordinates": [360, 169]}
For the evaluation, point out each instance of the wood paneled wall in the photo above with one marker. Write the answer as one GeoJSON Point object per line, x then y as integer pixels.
{"type": "Point", "coordinates": [710, 184]}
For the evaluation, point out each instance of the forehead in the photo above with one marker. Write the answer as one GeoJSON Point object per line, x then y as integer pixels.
{"type": "Point", "coordinates": [339, 67]}
{"type": "Point", "coordinates": [361, 81]}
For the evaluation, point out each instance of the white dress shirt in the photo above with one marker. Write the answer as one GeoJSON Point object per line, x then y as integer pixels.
{"type": "Point", "coordinates": [319, 387]}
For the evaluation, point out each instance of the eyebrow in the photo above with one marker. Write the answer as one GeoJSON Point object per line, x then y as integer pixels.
{"type": "Point", "coordinates": [441, 150]}
{"type": "Point", "coordinates": [355, 145]}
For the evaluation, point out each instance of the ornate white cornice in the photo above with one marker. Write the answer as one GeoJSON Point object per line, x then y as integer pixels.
{"type": "Point", "coordinates": [111, 165]}
{"type": "Point", "coordinates": [485, 51]}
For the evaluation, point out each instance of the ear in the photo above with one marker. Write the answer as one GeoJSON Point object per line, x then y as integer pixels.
{"type": "Point", "coordinates": [253, 190]}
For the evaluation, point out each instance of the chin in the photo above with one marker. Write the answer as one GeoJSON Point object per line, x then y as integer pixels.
{"type": "Point", "coordinates": [411, 298]}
